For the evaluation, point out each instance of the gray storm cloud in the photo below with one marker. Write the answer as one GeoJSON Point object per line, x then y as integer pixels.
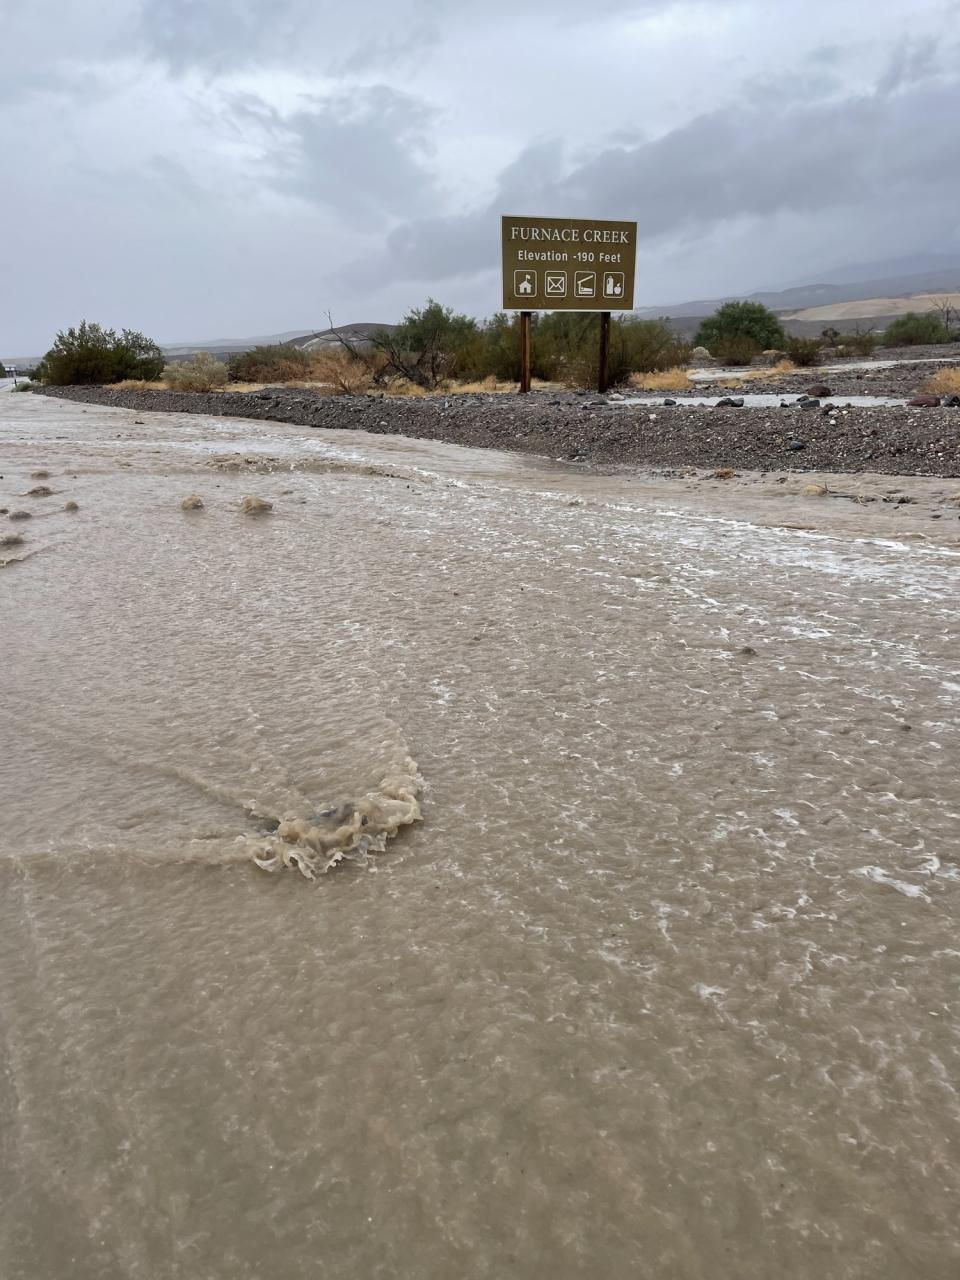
{"type": "Point", "coordinates": [242, 167]}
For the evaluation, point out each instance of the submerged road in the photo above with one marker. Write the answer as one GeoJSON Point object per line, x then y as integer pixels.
{"type": "Point", "coordinates": [664, 984]}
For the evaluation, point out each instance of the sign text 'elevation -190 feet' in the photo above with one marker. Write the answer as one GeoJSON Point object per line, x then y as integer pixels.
{"type": "Point", "coordinates": [568, 264]}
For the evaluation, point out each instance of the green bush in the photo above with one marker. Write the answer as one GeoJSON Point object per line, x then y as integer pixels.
{"type": "Point", "coordinates": [276, 363]}
{"type": "Point", "coordinates": [736, 349]}
{"type": "Point", "coordinates": [915, 329]}
{"type": "Point", "coordinates": [430, 345]}
{"type": "Point", "coordinates": [804, 351]}
{"type": "Point", "coordinates": [202, 372]}
{"type": "Point", "coordinates": [91, 354]}
{"type": "Point", "coordinates": [736, 320]}
{"type": "Point", "coordinates": [636, 346]}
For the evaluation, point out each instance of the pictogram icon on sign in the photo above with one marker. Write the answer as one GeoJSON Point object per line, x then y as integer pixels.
{"type": "Point", "coordinates": [613, 284]}
{"type": "Point", "coordinates": [524, 283]}
{"type": "Point", "coordinates": [585, 284]}
{"type": "Point", "coordinates": [555, 284]}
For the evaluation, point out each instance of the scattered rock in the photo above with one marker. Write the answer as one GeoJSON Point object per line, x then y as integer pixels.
{"type": "Point", "coordinates": [21, 515]}
{"type": "Point", "coordinates": [730, 402]}
{"type": "Point", "coordinates": [809, 404]}
{"type": "Point", "coordinates": [71, 506]}
{"type": "Point", "coordinates": [255, 506]}
{"type": "Point", "coordinates": [669, 402]}
{"type": "Point", "coordinates": [748, 652]}
{"type": "Point", "coordinates": [815, 490]}
{"type": "Point", "coordinates": [39, 475]}
{"type": "Point", "coordinates": [40, 491]}
{"type": "Point", "coordinates": [819, 389]}
{"type": "Point", "coordinates": [11, 540]}
{"type": "Point", "coordinates": [794, 446]}
{"type": "Point", "coordinates": [951, 402]}
{"type": "Point", "coordinates": [615, 395]}
{"type": "Point", "coordinates": [924, 402]}
{"type": "Point", "coordinates": [192, 502]}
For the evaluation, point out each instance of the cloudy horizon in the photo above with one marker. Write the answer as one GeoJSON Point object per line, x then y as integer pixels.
{"type": "Point", "coordinates": [244, 167]}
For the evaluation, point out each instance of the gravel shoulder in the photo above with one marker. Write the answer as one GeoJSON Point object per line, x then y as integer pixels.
{"type": "Point", "coordinates": [591, 429]}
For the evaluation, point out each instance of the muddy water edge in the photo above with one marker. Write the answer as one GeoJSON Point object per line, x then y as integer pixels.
{"type": "Point", "coordinates": [645, 962]}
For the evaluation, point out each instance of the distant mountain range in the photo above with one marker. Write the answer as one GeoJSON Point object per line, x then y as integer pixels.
{"type": "Point", "coordinates": [881, 281]}
{"type": "Point", "coordinates": [305, 339]}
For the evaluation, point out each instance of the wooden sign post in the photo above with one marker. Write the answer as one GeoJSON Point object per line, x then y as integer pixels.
{"type": "Point", "coordinates": [524, 352]}
{"type": "Point", "coordinates": [604, 350]}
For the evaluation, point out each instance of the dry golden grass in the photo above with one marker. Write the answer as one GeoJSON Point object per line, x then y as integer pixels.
{"type": "Point", "coordinates": [774, 371]}
{"type": "Point", "coordinates": [140, 384]}
{"type": "Point", "coordinates": [945, 382]}
{"type": "Point", "coordinates": [666, 380]}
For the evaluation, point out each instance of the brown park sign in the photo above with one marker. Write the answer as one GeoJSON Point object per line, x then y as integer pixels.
{"type": "Point", "coordinates": [568, 264]}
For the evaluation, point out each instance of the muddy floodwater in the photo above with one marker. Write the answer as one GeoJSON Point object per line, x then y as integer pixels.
{"type": "Point", "coordinates": [632, 810]}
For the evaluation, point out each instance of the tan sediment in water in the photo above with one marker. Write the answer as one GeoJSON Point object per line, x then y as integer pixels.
{"type": "Point", "coordinates": [662, 980]}
{"type": "Point", "coordinates": [252, 506]}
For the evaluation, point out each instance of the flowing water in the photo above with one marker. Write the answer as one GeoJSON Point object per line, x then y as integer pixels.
{"type": "Point", "coordinates": [642, 956]}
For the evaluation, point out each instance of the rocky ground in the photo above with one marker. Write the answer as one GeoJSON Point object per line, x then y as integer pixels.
{"type": "Point", "coordinates": [588, 428]}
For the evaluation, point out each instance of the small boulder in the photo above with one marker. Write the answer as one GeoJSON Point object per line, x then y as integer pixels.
{"type": "Point", "coordinates": [71, 506]}
{"type": "Point", "coordinates": [39, 475]}
{"type": "Point", "coordinates": [924, 402]}
{"type": "Point", "coordinates": [819, 389]}
{"type": "Point", "coordinates": [40, 491]}
{"type": "Point", "coordinates": [11, 540]}
{"type": "Point", "coordinates": [952, 402]}
{"type": "Point", "coordinates": [794, 446]}
{"type": "Point", "coordinates": [767, 359]}
{"type": "Point", "coordinates": [192, 502]}
{"type": "Point", "coordinates": [21, 515]}
{"type": "Point", "coordinates": [809, 404]}
{"type": "Point", "coordinates": [255, 506]}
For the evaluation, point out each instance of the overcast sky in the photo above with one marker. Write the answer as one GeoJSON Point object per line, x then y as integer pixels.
{"type": "Point", "coordinates": [222, 168]}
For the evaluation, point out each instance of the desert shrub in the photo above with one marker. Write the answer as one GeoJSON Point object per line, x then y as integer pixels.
{"type": "Point", "coordinates": [24, 386]}
{"type": "Point", "coordinates": [202, 372]}
{"type": "Point", "coordinates": [945, 382]}
{"type": "Point", "coordinates": [860, 344]}
{"type": "Point", "coordinates": [90, 354]}
{"type": "Point", "coordinates": [831, 336]}
{"type": "Point", "coordinates": [915, 329]}
{"type": "Point", "coordinates": [804, 351]}
{"type": "Point", "coordinates": [636, 347]}
{"type": "Point", "coordinates": [276, 363]}
{"type": "Point", "coordinates": [740, 320]}
{"type": "Point", "coordinates": [736, 349]}
{"type": "Point", "coordinates": [346, 373]}
{"type": "Point", "coordinates": [430, 345]}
